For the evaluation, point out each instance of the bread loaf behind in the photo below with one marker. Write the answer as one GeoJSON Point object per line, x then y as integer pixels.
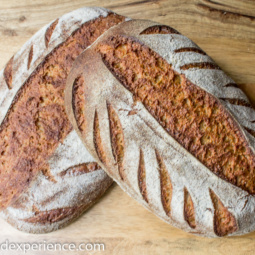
{"type": "Point", "coordinates": [32, 115]}
{"type": "Point", "coordinates": [47, 177]}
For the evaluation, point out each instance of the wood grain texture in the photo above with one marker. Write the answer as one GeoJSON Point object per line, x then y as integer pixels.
{"type": "Point", "coordinates": [225, 29]}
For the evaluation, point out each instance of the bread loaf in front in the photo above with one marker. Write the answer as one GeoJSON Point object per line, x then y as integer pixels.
{"type": "Point", "coordinates": [170, 127]}
{"type": "Point", "coordinates": [37, 141]}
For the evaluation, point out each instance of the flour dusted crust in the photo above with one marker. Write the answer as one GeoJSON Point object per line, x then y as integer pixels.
{"type": "Point", "coordinates": [52, 202]}
{"type": "Point", "coordinates": [139, 154]}
{"type": "Point", "coordinates": [42, 197]}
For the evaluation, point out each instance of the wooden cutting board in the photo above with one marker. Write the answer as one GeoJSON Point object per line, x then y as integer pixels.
{"type": "Point", "coordinates": [225, 29]}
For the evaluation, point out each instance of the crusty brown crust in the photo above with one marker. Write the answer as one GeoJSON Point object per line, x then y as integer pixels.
{"type": "Point", "coordinates": [117, 139]}
{"type": "Point", "coordinates": [224, 222]}
{"type": "Point", "coordinates": [190, 115]}
{"type": "Point", "coordinates": [80, 169]}
{"type": "Point", "coordinates": [8, 73]}
{"type": "Point", "coordinates": [142, 177]}
{"type": "Point", "coordinates": [49, 32]}
{"type": "Point", "coordinates": [97, 140]}
{"type": "Point", "coordinates": [189, 210]}
{"type": "Point", "coordinates": [166, 186]}
{"type": "Point", "coordinates": [52, 216]}
{"type": "Point", "coordinates": [36, 122]}
{"type": "Point", "coordinates": [78, 101]}
{"type": "Point", "coordinates": [159, 29]}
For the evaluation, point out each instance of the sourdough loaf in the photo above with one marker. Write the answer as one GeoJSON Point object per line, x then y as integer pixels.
{"type": "Point", "coordinates": [171, 128]}
{"type": "Point", "coordinates": [37, 142]}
